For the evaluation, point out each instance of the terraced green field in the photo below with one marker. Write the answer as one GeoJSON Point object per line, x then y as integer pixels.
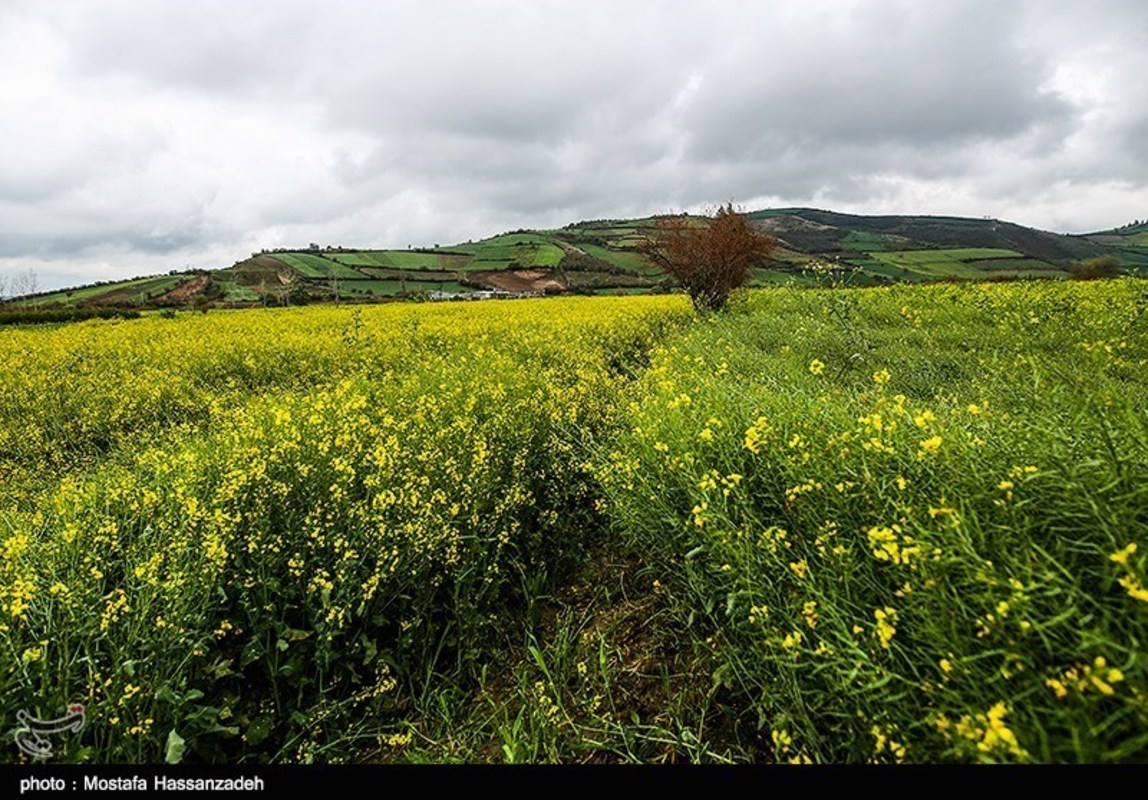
{"type": "Point", "coordinates": [1012, 263]}
{"type": "Point", "coordinates": [414, 259]}
{"type": "Point", "coordinates": [312, 266]}
{"type": "Point", "coordinates": [627, 260]}
{"type": "Point", "coordinates": [386, 288]}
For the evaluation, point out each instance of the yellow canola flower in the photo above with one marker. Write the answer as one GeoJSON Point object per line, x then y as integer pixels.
{"type": "Point", "coordinates": [755, 433]}
{"type": "Point", "coordinates": [809, 611]}
{"type": "Point", "coordinates": [1135, 590]}
{"type": "Point", "coordinates": [1121, 556]}
{"type": "Point", "coordinates": [886, 617]}
{"type": "Point", "coordinates": [932, 444]}
{"type": "Point", "coordinates": [1057, 687]}
{"type": "Point", "coordinates": [988, 732]}
{"type": "Point", "coordinates": [886, 546]}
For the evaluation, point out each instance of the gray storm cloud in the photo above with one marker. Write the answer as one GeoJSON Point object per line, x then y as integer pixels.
{"type": "Point", "coordinates": [141, 136]}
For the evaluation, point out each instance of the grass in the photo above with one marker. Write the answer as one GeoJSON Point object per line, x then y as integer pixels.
{"type": "Point", "coordinates": [234, 292]}
{"type": "Point", "coordinates": [912, 516]}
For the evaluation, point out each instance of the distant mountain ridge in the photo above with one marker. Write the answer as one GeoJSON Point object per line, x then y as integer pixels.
{"type": "Point", "coordinates": [602, 257]}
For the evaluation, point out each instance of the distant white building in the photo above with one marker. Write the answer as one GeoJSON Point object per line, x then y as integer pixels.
{"type": "Point", "coordinates": [483, 294]}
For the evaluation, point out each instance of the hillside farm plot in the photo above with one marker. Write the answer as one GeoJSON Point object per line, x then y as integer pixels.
{"type": "Point", "coordinates": [235, 292]}
{"type": "Point", "coordinates": [628, 260]}
{"type": "Point", "coordinates": [411, 274]}
{"type": "Point", "coordinates": [588, 279]}
{"type": "Point", "coordinates": [1043, 272]}
{"type": "Point", "coordinates": [317, 267]}
{"type": "Point", "coordinates": [360, 259]}
{"type": "Point", "coordinates": [140, 291]}
{"type": "Point", "coordinates": [950, 263]}
{"type": "Point", "coordinates": [391, 288]}
{"type": "Point", "coordinates": [880, 269]}
{"type": "Point", "coordinates": [408, 259]}
{"type": "Point", "coordinates": [1012, 263]}
{"type": "Point", "coordinates": [870, 242]}
{"type": "Point", "coordinates": [1132, 256]}
{"type": "Point", "coordinates": [521, 250]}
{"type": "Point", "coordinates": [121, 292]}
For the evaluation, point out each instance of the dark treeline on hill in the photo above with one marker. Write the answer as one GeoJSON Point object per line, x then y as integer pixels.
{"type": "Point", "coordinates": [64, 315]}
{"type": "Point", "coordinates": [607, 256]}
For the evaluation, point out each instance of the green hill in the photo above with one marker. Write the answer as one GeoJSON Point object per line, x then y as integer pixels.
{"type": "Point", "coordinates": [602, 256]}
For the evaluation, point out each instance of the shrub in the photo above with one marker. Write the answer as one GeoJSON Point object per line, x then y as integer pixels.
{"type": "Point", "coordinates": [1095, 268]}
{"type": "Point", "coordinates": [709, 258]}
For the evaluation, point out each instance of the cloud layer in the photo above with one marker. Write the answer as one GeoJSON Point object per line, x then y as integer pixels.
{"type": "Point", "coordinates": [141, 137]}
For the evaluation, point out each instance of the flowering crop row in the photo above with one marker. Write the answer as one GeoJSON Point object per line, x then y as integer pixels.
{"type": "Point", "coordinates": [277, 521]}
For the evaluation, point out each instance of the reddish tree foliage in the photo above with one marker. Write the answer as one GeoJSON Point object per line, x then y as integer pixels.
{"type": "Point", "coordinates": [709, 257]}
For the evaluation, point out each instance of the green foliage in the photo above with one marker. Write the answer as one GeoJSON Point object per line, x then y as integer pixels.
{"type": "Point", "coordinates": [64, 315]}
{"type": "Point", "coordinates": [1094, 268]}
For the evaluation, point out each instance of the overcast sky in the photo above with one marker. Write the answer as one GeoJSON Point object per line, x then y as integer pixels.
{"type": "Point", "coordinates": [139, 136]}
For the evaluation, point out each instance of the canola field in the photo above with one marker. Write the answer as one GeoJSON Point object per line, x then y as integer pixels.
{"type": "Point", "coordinates": [232, 535]}
{"type": "Point", "coordinates": [904, 524]}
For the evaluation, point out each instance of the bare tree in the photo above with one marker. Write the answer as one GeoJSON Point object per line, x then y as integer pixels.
{"type": "Point", "coordinates": [709, 256]}
{"type": "Point", "coordinates": [25, 283]}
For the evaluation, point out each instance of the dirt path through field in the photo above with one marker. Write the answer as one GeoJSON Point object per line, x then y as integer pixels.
{"type": "Point", "coordinates": [184, 292]}
{"type": "Point", "coordinates": [520, 280]}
